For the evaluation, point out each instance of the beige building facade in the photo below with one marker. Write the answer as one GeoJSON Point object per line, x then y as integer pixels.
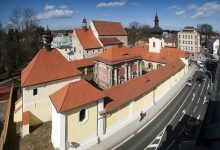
{"type": "Point", "coordinates": [189, 41]}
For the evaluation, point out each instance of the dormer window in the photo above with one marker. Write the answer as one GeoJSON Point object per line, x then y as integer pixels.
{"type": "Point", "coordinates": [153, 44]}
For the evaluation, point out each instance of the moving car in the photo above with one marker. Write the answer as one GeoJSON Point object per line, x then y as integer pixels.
{"type": "Point", "coordinates": [199, 79]}
{"type": "Point", "coordinates": [189, 81]}
{"type": "Point", "coordinates": [200, 64]}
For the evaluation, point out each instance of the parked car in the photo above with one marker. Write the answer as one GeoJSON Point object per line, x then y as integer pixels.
{"type": "Point", "coordinates": [200, 64]}
{"type": "Point", "coordinates": [189, 81]}
{"type": "Point", "coordinates": [189, 128]}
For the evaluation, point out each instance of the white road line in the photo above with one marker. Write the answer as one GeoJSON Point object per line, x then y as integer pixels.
{"type": "Point", "coordinates": [193, 96]}
{"type": "Point", "coordinates": [181, 118]}
{"type": "Point", "coordinates": [128, 138]}
{"type": "Point", "coordinates": [181, 131]}
{"type": "Point", "coordinates": [156, 116]}
{"type": "Point", "coordinates": [177, 110]}
{"type": "Point", "coordinates": [183, 113]}
{"type": "Point", "coordinates": [198, 100]}
{"type": "Point", "coordinates": [170, 144]}
{"type": "Point", "coordinates": [158, 137]}
{"type": "Point", "coordinates": [194, 109]}
{"type": "Point", "coordinates": [153, 145]}
{"type": "Point", "coordinates": [198, 117]}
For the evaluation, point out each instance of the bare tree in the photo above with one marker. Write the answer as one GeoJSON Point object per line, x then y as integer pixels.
{"type": "Point", "coordinates": [16, 18]}
{"type": "Point", "coordinates": [205, 30]}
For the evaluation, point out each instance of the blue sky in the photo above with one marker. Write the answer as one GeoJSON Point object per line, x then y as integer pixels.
{"type": "Point", "coordinates": [67, 14]}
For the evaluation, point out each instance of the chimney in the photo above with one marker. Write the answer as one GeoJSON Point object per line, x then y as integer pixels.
{"type": "Point", "coordinates": [84, 24]}
{"type": "Point", "coordinates": [47, 39]}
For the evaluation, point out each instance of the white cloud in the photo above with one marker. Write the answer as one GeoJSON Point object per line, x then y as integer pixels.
{"type": "Point", "coordinates": [63, 7]}
{"type": "Point", "coordinates": [111, 4]}
{"type": "Point", "coordinates": [53, 12]}
{"type": "Point", "coordinates": [192, 6]}
{"type": "Point", "coordinates": [180, 13]}
{"type": "Point", "coordinates": [172, 7]}
{"type": "Point", "coordinates": [206, 10]}
{"type": "Point", "coordinates": [49, 7]}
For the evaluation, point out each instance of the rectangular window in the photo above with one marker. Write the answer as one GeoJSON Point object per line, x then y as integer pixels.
{"type": "Point", "coordinates": [34, 92]}
{"type": "Point", "coordinates": [183, 36]}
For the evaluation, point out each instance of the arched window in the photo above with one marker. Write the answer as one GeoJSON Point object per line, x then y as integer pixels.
{"type": "Point", "coordinates": [82, 115]}
{"type": "Point", "coordinates": [161, 44]}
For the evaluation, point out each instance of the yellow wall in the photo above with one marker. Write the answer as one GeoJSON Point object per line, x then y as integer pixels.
{"type": "Point", "coordinates": [40, 104]}
{"type": "Point", "coordinates": [142, 102]}
{"type": "Point", "coordinates": [124, 112]}
{"type": "Point", "coordinates": [77, 131]}
{"type": "Point", "coordinates": [165, 86]}
{"type": "Point", "coordinates": [111, 118]}
{"type": "Point", "coordinates": [117, 116]}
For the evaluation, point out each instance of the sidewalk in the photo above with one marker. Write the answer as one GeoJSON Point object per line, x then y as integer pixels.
{"type": "Point", "coordinates": [131, 128]}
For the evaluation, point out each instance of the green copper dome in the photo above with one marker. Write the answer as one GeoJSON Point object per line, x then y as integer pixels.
{"type": "Point", "coordinates": [61, 42]}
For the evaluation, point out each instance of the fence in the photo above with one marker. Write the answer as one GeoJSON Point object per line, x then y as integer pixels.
{"type": "Point", "coordinates": [6, 121]}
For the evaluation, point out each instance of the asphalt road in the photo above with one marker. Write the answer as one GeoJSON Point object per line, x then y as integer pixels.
{"type": "Point", "coordinates": [166, 130]}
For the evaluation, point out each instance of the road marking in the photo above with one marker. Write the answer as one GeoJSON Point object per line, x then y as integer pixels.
{"type": "Point", "coordinates": [181, 131]}
{"type": "Point", "coordinates": [198, 117]}
{"type": "Point", "coordinates": [157, 115]}
{"type": "Point", "coordinates": [198, 100]}
{"type": "Point", "coordinates": [204, 101]}
{"type": "Point", "coordinates": [194, 109]}
{"type": "Point", "coordinates": [153, 145]}
{"type": "Point", "coordinates": [177, 110]}
{"type": "Point", "coordinates": [159, 137]}
{"type": "Point", "coordinates": [170, 144]}
{"type": "Point", "coordinates": [193, 96]}
{"type": "Point", "coordinates": [183, 113]}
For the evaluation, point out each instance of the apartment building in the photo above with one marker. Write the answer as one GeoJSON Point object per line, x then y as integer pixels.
{"type": "Point", "coordinates": [189, 41]}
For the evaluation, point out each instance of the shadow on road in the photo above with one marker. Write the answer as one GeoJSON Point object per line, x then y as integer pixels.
{"type": "Point", "coordinates": [178, 135]}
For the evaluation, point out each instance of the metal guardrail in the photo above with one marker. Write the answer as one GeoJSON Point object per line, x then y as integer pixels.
{"type": "Point", "coordinates": [6, 121]}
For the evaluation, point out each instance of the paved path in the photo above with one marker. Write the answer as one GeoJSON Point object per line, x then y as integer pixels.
{"type": "Point", "coordinates": [129, 129]}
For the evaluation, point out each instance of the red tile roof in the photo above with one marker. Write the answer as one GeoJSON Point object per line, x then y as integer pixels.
{"type": "Point", "coordinates": [26, 117]}
{"type": "Point", "coordinates": [110, 41]}
{"type": "Point", "coordinates": [166, 54]}
{"type": "Point", "coordinates": [109, 28]}
{"type": "Point", "coordinates": [87, 39]}
{"type": "Point", "coordinates": [117, 54]}
{"type": "Point", "coordinates": [47, 66]}
{"type": "Point", "coordinates": [74, 95]}
{"type": "Point", "coordinates": [123, 93]}
{"type": "Point", "coordinates": [82, 63]}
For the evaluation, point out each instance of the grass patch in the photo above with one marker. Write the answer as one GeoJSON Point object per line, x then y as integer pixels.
{"type": "Point", "coordinates": [40, 138]}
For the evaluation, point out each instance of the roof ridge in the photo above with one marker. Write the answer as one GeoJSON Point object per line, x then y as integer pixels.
{"type": "Point", "coordinates": [35, 58]}
{"type": "Point", "coordinates": [68, 85]}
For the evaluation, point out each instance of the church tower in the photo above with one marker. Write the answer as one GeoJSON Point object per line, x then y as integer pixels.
{"type": "Point", "coordinates": [156, 42]}
{"type": "Point", "coordinates": [84, 24]}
